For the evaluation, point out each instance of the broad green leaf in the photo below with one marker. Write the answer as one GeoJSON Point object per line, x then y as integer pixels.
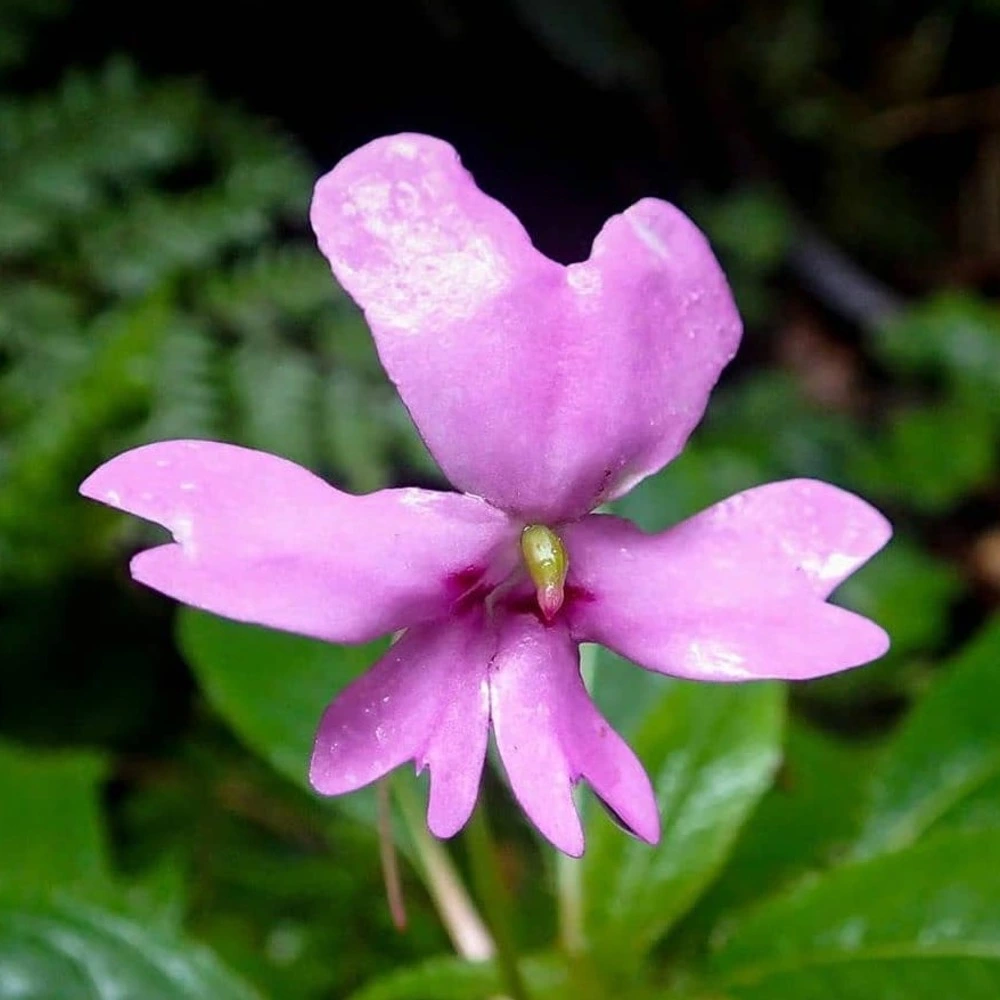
{"type": "Point", "coordinates": [51, 827]}
{"type": "Point", "coordinates": [929, 457]}
{"type": "Point", "coordinates": [751, 225]}
{"type": "Point", "coordinates": [64, 950]}
{"type": "Point", "coordinates": [696, 479]}
{"type": "Point", "coordinates": [452, 978]}
{"type": "Point", "coordinates": [768, 417]}
{"type": "Point", "coordinates": [954, 334]}
{"type": "Point", "coordinates": [808, 815]}
{"type": "Point", "coordinates": [271, 687]}
{"type": "Point", "coordinates": [942, 768]}
{"type": "Point", "coordinates": [624, 692]}
{"type": "Point", "coordinates": [921, 924]}
{"type": "Point", "coordinates": [711, 751]}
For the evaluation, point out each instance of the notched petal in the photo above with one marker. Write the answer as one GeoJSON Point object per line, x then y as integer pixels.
{"type": "Point", "coordinates": [550, 736]}
{"type": "Point", "coordinates": [262, 540]}
{"type": "Point", "coordinates": [606, 364]}
{"type": "Point", "coordinates": [425, 701]}
{"type": "Point", "coordinates": [736, 592]}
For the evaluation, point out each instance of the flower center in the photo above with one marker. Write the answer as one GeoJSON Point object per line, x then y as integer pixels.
{"type": "Point", "coordinates": [547, 562]}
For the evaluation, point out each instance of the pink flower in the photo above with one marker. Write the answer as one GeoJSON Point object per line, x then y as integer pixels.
{"type": "Point", "coordinates": [543, 391]}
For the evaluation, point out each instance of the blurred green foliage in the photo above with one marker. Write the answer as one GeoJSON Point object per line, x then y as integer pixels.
{"type": "Point", "coordinates": [156, 280]}
{"type": "Point", "coordinates": [148, 290]}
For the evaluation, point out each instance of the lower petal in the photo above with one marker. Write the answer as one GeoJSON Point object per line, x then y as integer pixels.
{"type": "Point", "coordinates": [550, 735]}
{"type": "Point", "coordinates": [425, 700]}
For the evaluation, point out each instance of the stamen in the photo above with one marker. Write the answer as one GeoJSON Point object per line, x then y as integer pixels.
{"type": "Point", "coordinates": [547, 562]}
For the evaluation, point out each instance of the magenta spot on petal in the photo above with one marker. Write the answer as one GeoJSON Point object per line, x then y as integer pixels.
{"type": "Point", "coordinates": [578, 595]}
{"type": "Point", "coordinates": [459, 584]}
{"type": "Point", "coordinates": [519, 602]}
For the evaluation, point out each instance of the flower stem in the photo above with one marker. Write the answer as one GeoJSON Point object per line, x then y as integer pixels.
{"type": "Point", "coordinates": [458, 913]}
{"type": "Point", "coordinates": [495, 900]}
{"type": "Point", "coordinates": [569, 887]}
{"type": "Point", "coordinates": [569, 893]}
{"type": "Point", "coordinates": [387, 853]}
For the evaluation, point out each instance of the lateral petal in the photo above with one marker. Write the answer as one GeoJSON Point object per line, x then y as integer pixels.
{"type": "Point", "coordinates": [734, 593]}
{"type": "Point", "coordinates": [260, 539]}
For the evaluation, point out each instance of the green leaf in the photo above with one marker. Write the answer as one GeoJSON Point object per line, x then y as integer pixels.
{"type": "Point", "coordinates": [711, 751]}
{"type": "Point", "coordinates": [65, 950]}
{"type": "Point", "coordinates": [696, 479]}
{"type": "Point", "coordinates": [810, 814]}
{"type": "Point", "coordinates": [767, 417]}
{"type": "Point", "coordinates": [942, 769]}
{"type": "Point", "coordinates": [929, 457]}
{"type": "Point", "coordinates": [953, 334]}
{"type": "Point", "coordinates": [451, 978]}
{"type": "Point", "coordinates": [271, 687]}
{"type": "Point", "coordinates": [51, 826]}
{"type": "Point", "coordinates": [623, 692]}
{"type": "Point", "coordinates": [920, 924]}
{"type": "Point", "coordinates": [278, 393]}
{"type": "Point", "coordinates": [751, 225]}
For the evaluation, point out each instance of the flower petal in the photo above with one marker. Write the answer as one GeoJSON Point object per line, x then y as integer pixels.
{"type": "Point", "coordinates": [734, 593]}
{"type": "Point", "coordinates": [550, 735]}
{"type": "Point", "coordinates": [262, 540]}
{"type": "Point", "coordinates": [426, 700]}
{"type": "Point", "coordinates": [545, 389]}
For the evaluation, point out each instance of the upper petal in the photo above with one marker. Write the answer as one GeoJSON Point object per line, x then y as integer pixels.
{"type": "Point", "coordinates": [426, 700]}
{"type": "Point", "coordinates": [545, 389]}
{"type": "Point", "coordinates": [550, 735]}
{"type": "Point", "coordinates": [260, 539]}
{"type": "Point", "coordinates": [734, 593]}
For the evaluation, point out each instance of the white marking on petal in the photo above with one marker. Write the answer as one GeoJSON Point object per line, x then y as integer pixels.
{"type": "Point", "coordinates": [405, 148]}
{"type": "Point", "coordinates": [834, 567]}
{"type": "Point", "coordinates": [182, 528]}
{"type": "Point", "coordinates": [649, 237]}
{"type": "Point", "coordinates": [114, 497]}
{"type": "Point", "coordinates": [417, 498]}
{"type": "Point", "coordinates": [372, 199]}
{"type": "Point", "coordinates": [716, 660]}
{"type": "Point", "coordinates": [585, 280]}
{"type": "Point", "coordinates": [189, 487]}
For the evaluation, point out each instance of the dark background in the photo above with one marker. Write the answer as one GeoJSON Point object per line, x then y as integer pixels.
{"type": "Point", "coordinates": [844, 158]}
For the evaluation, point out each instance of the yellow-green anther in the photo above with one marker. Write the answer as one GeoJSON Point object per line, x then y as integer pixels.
{"type": "Point", "coordinates": [545, 557]}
